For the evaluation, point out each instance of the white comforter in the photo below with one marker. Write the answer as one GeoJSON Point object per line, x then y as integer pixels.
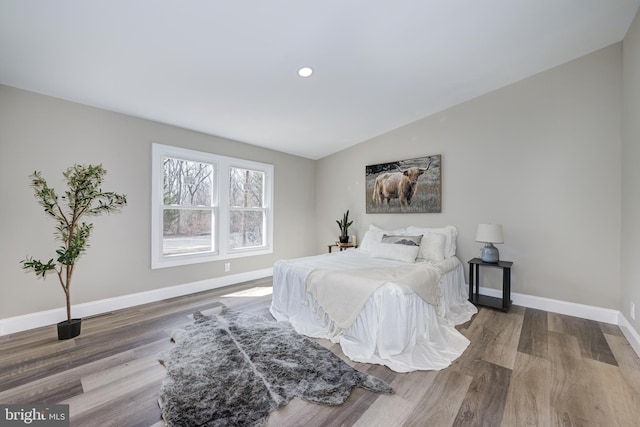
{"type": "Point", "coordinates": [396, 327]}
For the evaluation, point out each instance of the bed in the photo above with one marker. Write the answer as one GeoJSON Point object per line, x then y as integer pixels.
{"type": "Point", "coordinates": [394, 326]}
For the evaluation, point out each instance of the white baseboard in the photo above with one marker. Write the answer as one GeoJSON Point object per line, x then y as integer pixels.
{"type": "Point", "coordinates": [590, 312]}
{"type": "Point", "coordinates": [51, 317]}
{"type": "Point", "coordinates": [630, 333]}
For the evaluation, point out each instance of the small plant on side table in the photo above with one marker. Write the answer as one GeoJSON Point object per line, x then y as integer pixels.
{"type": "Point", "coordinates": [344, 227]}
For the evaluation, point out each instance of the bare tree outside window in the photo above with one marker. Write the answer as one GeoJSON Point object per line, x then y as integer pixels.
{"type": "Point", "coordinates": [246, 208]}
{"type": "Point", "coordinates": [188, 216]}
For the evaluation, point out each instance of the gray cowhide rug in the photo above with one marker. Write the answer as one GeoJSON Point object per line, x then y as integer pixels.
{"type": "Point", "coordinates": [233, 369]}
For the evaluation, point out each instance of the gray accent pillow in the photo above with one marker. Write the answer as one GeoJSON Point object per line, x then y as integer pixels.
{"type": "Point", "coordinates": [400, 248]}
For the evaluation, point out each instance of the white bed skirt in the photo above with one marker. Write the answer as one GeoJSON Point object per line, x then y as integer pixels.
{"type": "Point", "coordinates": [395, 328]}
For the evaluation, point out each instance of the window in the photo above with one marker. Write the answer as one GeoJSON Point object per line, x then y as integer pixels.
{"type": "Point", "coordinates": [247, 214]}
{"type": "Point", "coordinates": [188, 212]}
{"type": "Point", "coordinates": [208, 207]}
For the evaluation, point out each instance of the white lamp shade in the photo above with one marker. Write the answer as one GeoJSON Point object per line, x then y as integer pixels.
{"type": "Point", "coordinates": [489, 233]}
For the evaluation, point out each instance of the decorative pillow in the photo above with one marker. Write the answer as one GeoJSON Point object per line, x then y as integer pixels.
{"type": "Point", "coordinates": [373, 236]}
{"type": "Point", "coordinates": [432, 247]}
{"type": "Point", "coordinates": [400, 248]}
{"type": "Point", "coordinates": [450, 233]}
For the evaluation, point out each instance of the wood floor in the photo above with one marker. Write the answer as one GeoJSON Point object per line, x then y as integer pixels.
{"type": "Point", "coordinates": [523, 368]}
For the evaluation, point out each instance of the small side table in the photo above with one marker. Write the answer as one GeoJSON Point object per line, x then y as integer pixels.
{"type": "Point", "coordinates": [341, 246]}
{"type": "Point", "coordinates": [474, 278]}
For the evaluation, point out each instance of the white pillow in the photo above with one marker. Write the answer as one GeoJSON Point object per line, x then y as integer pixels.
{"type": "Point", "coordinates": [450, 233]}
{"type": "Point", "coordinates": [371, 237]}
{"type": "Point", "coordinates": [432, 247]}
{"type": "Point", "coordinates": [399, 247]}
{"type": "Point", "coordinates": [374, 235]}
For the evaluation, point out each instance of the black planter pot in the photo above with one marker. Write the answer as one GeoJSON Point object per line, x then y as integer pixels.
{"type": "Point", "coordinates": [344, 239]}
{"type": "Point", "coordinates": [68, 330]}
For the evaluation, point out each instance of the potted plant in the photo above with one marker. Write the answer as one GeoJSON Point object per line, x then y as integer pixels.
{"type": "Point", "coordinates": [344, 227]}
{"type": "Point", "coordinates": [83, 198]}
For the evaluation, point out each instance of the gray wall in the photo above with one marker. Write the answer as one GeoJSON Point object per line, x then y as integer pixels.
{"type": "Point", "coordinates": [630, 289]}
{"type": "Point", "coordinates": [48, 134]}
{"type": "Point", "coordinates": [541, 156]}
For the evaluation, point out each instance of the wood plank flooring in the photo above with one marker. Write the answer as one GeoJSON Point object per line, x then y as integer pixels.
{"type": "Point", "coordinates": [523, 368]}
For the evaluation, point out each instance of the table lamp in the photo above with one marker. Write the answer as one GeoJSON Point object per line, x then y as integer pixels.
{"type": "Point", "coordinates": [489, 234]}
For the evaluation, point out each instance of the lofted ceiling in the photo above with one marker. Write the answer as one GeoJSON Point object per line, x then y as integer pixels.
{"type": "Point", "coordinates": [229, 68]}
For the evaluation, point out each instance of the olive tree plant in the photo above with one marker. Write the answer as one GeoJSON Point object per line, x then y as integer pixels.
{"type": "Point", "coordinates": [83, 198]}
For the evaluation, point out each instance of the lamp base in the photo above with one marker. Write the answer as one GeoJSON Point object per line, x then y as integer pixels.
{"type": "Point", "coordinates": [489, 253]}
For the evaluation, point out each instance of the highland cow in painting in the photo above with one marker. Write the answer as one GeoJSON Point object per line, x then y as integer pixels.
{"type": "Point", "coordinates": [401, 180]}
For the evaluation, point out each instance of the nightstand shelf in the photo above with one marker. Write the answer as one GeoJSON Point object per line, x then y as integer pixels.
{"type": "Point", "coordinates": [474, 284]}
{"type": "Point", "coordinates": [341, 246]}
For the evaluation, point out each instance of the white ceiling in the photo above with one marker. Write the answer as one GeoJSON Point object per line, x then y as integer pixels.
{"type": "Point", "coordinates": [228, 68]}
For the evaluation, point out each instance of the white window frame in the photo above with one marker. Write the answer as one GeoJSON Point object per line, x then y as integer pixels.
{"type": "Point", "coordinates": [221, 209]}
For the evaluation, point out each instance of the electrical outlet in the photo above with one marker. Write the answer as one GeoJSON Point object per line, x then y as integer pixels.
{"type": "Point", "coordinates": [633, 311]}
{"type": "Point", "coordinates": [227, 267]}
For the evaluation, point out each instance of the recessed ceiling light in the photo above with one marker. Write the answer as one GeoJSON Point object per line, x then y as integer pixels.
{"type": "Point", "coordinates": [305, 71]}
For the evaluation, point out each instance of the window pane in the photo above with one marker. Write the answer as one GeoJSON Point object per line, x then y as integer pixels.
{"type": "Point", "coordinates": [246, 229]}
{"type": "Point", "coordinates": [187, 183]}
{"type": "Point", "coordinates": [186, 231]}
{"type": "Point", "coordinates": [246, 188]}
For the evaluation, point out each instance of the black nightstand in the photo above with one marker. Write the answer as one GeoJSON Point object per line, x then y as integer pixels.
{"type": "Point", "coordinates": [474, 278]}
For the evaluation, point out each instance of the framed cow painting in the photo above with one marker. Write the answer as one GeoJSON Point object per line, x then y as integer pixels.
{"type": "Point", "coordinates": [405, 186]}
